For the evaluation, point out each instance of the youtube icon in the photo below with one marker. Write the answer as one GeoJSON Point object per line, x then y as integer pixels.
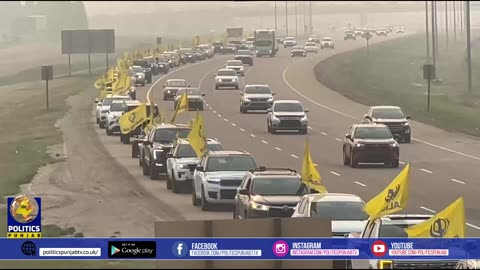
{"type": "Point", "coordinates": [379, 248]}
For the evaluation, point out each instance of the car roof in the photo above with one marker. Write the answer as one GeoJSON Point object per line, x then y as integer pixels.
{"type": "Point", "coordinates": [117, 96]}
{"type": "Point", "coordinates": [257, 85]}
{"type": "Point", "coordinates": [327, 38]}
{"type": "Point", "coordinates": [136, 67]}
{"type": "Point", "coordinates": [278, 172]}
{"type": "Point", "coordinates": [229, 153]}
{"type": "Point", "coordinates": [226, 69]}
{"type": "Point", "coordinates": [368, 125]}
{"type": "Point", "coordinates": [404, 219]}
{"type": "Point", "coordinates": [334, 197]}
{"type": "Point", "coordinates": [169, 52]}
{"type": "Point", "coordinates": [167, 125]}
{"type": "Point", "coordinates": [243, 51]}
{"type": "Point", "coordinates": [287, 101]}
{"type": "Point", "coordinates": [209, 141]}
{"type": "Point", "coordinates": [385, 107]}
{"type": "Point", "coordinates": [176, 80]}
{"type": "Point", "coordinates": [290, 38]}
{"type": "Point", "coordinates": [236, 61]}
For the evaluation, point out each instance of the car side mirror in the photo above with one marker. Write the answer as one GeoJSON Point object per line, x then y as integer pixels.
{"type": "Point", "coordinates": [200, 168]}
{"type": "Point", "coordinates": [189, 85]}
{"type": "Point", "coordinates": [269, 110]}
{"type": "Point", "coordinates": [274, 94]}
{"type": "Point", "coordinates": [146, 142]}
{"type": "Point", "coordinates": [408, 117]}
{"type": "Point", "coordinates": [348, 136]}
{"type": "Point", "coordinates": [169, 155]}
{"type": "Point", "coordinates": [243, 191]}
{"type": "Point", "coordinates": [241, 94]}
{"type": "Point", "coordinates": [307, 110]}
{"type": "Point", "coordinates": [163, 86]}
{"type": "Point", "coordinates": [96, 101]}
{"type": "Point", "coordinates": [203, 94]}
{"type": "Point", "coordinates": [366, 116]}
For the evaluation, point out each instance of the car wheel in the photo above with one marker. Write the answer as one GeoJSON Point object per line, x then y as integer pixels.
{"type": "Point", "coordinates": [236, 87]}
{"type": "Point", "coordinates": [175, 185]}
{"type": "Point", "coordinates": [346, 161]}
{"type": "Point", "coordinates": [216, 87]}
{"type": "Point", "coordinates": [164, 97]}
{"type": "Point", "coordinates": [251, 64]}
{"type": "Point", "coordinates": [201, 108]}
{"type": "Point", "coordinates": [107, 130]}
{"type": "Point", "coordinates": [140, 160]}
{"type": "Point", "coordinates": [145, 170]}
{"type": "Point", "coordinates": [98, 121]}
{"type": "Point", "coordinates": [152, 171]}
{"type": "Point", "coordinates": [169, 181]}
{"type": "Point", "coordinates": [407, 139]}
{"type": "Point", "coordinates": [353, 161]}
{"type": "Point", "coordinates": [235, 212]}
{"type": "Point", "coordinates": [126, 139]}
{"type": "Point", "coordinates": [303, 131]}
{"type": "Point", "coordinates": [394, 163]}
{"type": "Point", "coordinates": [204, 203]}
{"type": "Point", "coordinates": [134, 152]}
{"type": "Point", "coordinates": [101, 125]}
{"type": "Point", "coordinates": [195, 200]}
{"type": "Point", "coordinates": [143, 84]}
{"type": "Point", "coordinates": [273, 130]}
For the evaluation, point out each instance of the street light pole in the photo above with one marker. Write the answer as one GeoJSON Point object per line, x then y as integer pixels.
{"type": "Point", "coordinates": [304, 20]}
{"type": "Point", "coordinates": [446, 23]}
{"type": "Point", "coordinates": [275, 16]}
{"type": "Point", "coordinates": [434, 58]}
{"type": "Point", "coordinates": [460, 17]}
{"type": "Point", "coordinates": [469, 49]}
{"type": "Point", "coordinates": [454, 21]}
{"type": "Point", "coordinates": [286, 16]}
{"type": "Point", "coordinates": [296, 19]}
{"type": "Point", "coordinates": [427, 37]}
{"type": "Point", "coordinates": [310, 13]}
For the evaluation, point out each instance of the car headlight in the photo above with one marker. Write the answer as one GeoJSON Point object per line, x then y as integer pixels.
{"type": "Point", "coordinates": [270, 99]}
{"type": "Point", "coordinates": [359, 144]}
{"type": "Point", "coordinates": [393, 145]}
{"type": "Point", "coordinates": [182, 166]}
{"type": "Point", "coordinates": [304, 119]}
{"type": "Point", "coordinates": [104, 111]}
{"type": "Point", "coordinates": [275, 119]}
{"type": "Point", "coordinates": [221, 48]}
{"type": "Point", "coordinates": [246, 99]}
{"type": "Point", "coordinates": [406, 124]}
{"type": "Point", "coordinates": [213, 180]}
{"type": "Point", "coordinates": [219, 79]}
{"type": "Point", "coordinates": [161, 65]}
{"type": "Point", "coordinates": [259, 207]}
{"type": "Point", "coordinates": [270, 51]}
{"type": "Point", "coordinates": [256, 51]}
{"type": "Point", "coordinates": [234, 79]}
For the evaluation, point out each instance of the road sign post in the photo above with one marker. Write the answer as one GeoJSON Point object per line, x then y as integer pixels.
{"type": "Point", "coordinates": [46, 75]}
{"type": "Point", "coordinates": [429, 75]}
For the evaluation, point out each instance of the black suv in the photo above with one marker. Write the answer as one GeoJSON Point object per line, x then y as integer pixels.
{"type": "Point", "coordinates": [394, 118]}
{"type": "Point", "coordinates": [268, 192]}
{"type": "Point", "coordinates": [370, 143]}
{"type": "Point", "coordinates": [217, 47]}
{"type": "Point", "coordinates": [153, 65]}
{"type": "Point", "coordinates": [146, 68]}
{"type": "Point", "coordinates": [163, 65]}
{"type": "Point", "coordinates": [157, 145]}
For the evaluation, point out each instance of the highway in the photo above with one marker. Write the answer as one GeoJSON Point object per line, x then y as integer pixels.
{"type": "Point", "coordinates": [444, 165]}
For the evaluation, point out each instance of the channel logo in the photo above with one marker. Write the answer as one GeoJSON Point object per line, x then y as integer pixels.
{"type": "Point", "coordinates": [24, 217]}
{"type": "Point", "coordinates": [379, 248]}
{"type": "Point", "coordinates": [179, 249]}
{"type": "Point", "coordinates": [280, 248]}
{"type": "Point", "coordinates": [132, 249]}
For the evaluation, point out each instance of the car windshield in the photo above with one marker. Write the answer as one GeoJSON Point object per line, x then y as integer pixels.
{"type": "Point", "coordinates": [349, 32]}
{"type": "Point", "coordinates": [288, 107]}
{"type": "Point", "coordinates": [257, 90]}
{"type": "Point", "coordinates": [388, 114]}
{"type": "Point", "coordinates": [141, 63]}
{"type": "Point", "coordinates": [298, 48]}
{"type": "Point", "coordinates": [244, 52]}
{"type": "Point", "coordinates": [218, 44]}
{"type": "Point", "coordinates": [167, 56]}
{"type": "Point", "coordinates": [170, 134]}
{"type": "Point", "coordinates": [187, 50]}
{"type": "Point", "coordinates": [289, 38]}
{"type": "Point", "coordinates": [191, 91]}
{"type": "Point", "coordinates": [230, 163]}
{"type": "Point", "coordinates": [311, 44]}
{"type": "Point", "coordinates": [372, 133]}
{"type": "Point", "coordinates": [235, 63]}
{"type": "Point", "coordinates": [338, 210]}
{"type": "Point", "coordinates": [176, 84]}
{"type": "Point", "coordinates": [137, 69]}
{"type": "Point", "coordinates": [394, 230]}
{"type": "Point", "coordinates": [150, 60]}
{"type": "Point", "coordinates": [263, 43]}
{"type": "Point", "coordinates": [227, 73]}
{"type": "Point", "coordinates": [186, 150]}
{"type": "Point", "coordinates": [161, 59]}
{"type": "Point", "coordinates": [327, 39]}
{"type": "Point", "coordinates": [278, 186]}
{"type": "Point", "coordinates": [118, 107]}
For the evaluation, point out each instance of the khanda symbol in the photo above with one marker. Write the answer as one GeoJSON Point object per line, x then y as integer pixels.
{"type": "Point", "coordinates": [439, 227]}
{"type": "Point", "coordinates": [392, 193]}
{"type": "Point", "coordinates": [132, 117]}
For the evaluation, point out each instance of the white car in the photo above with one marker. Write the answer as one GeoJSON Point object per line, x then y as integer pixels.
{"type": "Point", "coordinates": [345, 211]}
{"type": "Point", "coordinates": [287, 115]}
{"type": "Point", "coordinates": [116, 110]}
{"type": "Point", "coordinates": [182, 161]}
{"type": "Point", "coordinates": [236, 65]}
{"type": "Point", "coordinates": [138, 75]}
{"type": "Point", "coordinates": [104, 106]}
{"type": "Point", "coordinates": [327, 42]}
{"type": "Point", "coordinates": [289, 42]}
{"type": "Point", "coordinates": [226, 78]}
{"type": "Point", "coordinates": [311, 47]}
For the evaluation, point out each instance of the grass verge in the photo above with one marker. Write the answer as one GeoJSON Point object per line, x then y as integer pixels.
{"type": "Point", "coordinates": [390, 73]}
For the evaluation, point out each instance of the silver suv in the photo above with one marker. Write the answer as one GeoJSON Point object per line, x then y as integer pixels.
{"type": "Point", "coordinates": [256, 97]}
{"type": "Point", "coordinates": [287, 115]}
{"type": "Point", "coordinates": [226, 78]}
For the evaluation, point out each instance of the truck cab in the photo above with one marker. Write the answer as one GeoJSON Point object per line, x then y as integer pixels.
{"type": "Point", "coordinates": [265, 43]}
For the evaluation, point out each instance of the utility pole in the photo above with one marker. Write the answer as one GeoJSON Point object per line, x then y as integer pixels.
{"type": "Point", "coordinates": [427, 37]}
{"type": "Point", "coordinates": [296, 19]}
{"type": "Point", "coordinates": [304, 19]}
{"type": "Point", "coordinates": [436, 29]}
{"type": "Point", "coordinates": [460, 17]}
{"type": "Point", "coordinates": [286, 16]}
{"type": "Point", "coordinates": [469, 49]}
{"type": "Point", "coordinates": [310, 13]}
{"type": "Point", "coordinates": [446, 23]}
{"type": "Point", "coordinates": [434, 58]}
{"type": "Point", "coordinates": [454, 21]}
{"type": "Point", "coordinates": [275, 16]}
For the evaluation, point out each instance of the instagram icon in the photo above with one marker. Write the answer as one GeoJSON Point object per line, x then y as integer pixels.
{"type": "Point", "coordinates": [280, 248]}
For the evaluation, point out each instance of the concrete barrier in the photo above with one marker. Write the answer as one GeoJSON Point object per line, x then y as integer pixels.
{"type": "Point", "coordinates": [278, 228]}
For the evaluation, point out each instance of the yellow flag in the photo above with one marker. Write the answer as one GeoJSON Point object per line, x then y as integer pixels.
{"type": "Point", "coordinates": [197, 137]}
{"type": "Point", "coordinates": [448, 223]}
{"type": "Point", "coordinates": [132, 119]}
{"type": "Point", "coordinates": [393, 198]}
{"type": "Point", "coordinates": [103, 93]}
{"type": "Point", "coordinates": [310, 176]}
{"type": "Point", "coordinates": [99, 83]}
{"type": "Point", "coordinates": [182, 106]}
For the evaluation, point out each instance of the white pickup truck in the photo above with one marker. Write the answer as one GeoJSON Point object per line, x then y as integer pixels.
{"type": "Point", "coordinates": [393, 226]}
{"type": "Point", "coordinates": [182, 161]}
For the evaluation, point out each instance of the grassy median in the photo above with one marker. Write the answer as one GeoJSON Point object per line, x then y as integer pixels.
{"type": "Point", "coordinates": [390, 73]}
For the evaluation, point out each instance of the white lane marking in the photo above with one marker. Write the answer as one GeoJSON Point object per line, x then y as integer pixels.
{"type": "Point", "coordinates": [458, 181]}
{"type": "Point", "coordinates": [360, 183]}
{"type": "Point", "coordinates": [225, 119]}
{"type": "Point", "coordinates": [323, 133]}
{"type": "Point", "coordinates": [219, 115]}
{"type": "Point", "coordinates": [354, 118]}
{"type": "Point", "coordinates": [425, 170]}
{"type": "Point", "coordinates": [335, 173]}
{"type": "Point", "coordinates": [265, 142]}
{"type": "Point", "coordinates": [278, 148]}
{"type": "Point", "coordinates": [242, 129]}
{"type": "Point", "coordinates": [401, 162]}
{"type": "Point", "coordinates": [214, 111]}
{"type": "Point", "coordinates": [338, 140]}
{"type": "Point", "coordinates": [210, 107]}
{"type": "Point", "coordinates": [206, 103]}
{"type": "Point", "coordinates": [233, 124]}
{"type": "Point", "coordinates": [292, 155]}
{"type": "Point", "coordinates": [428, 209]}
{"type": "Point", "coordinates": [309, 127]}
{"type": "Point", "coordinates": [253, 136]}
{"type": "Point", "coordinates": [473, 226]}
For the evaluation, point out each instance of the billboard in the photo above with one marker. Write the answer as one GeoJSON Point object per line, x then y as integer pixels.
{"type": "Point", "coordinates": [234, 32]}
{"type": "Point", "coordinates": [88, 41]}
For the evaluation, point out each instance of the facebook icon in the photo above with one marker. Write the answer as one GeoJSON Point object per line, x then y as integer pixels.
{"type": "Point", "coordinates": [180, 249]}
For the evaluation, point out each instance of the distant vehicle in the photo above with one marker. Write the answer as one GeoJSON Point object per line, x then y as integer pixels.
{"type": "Point", "coordinates": [181, 56]}
{"type": "Point", "coordinates": [314, 38]}
{"type": "Point", "coordinates": [153, 65]}
{"type": "Point", "coordinates": [172, 86]}
{"type": "Point", "coordinates": [116, 110]}
{"type": "Point", "coordinates": [327, 42]}
{"type": "Point", "coordinates": [394, 118]}
{"type": "Point", "coordinates": [400, 30]}
{"type": "Point", "coordinates": [207, 49]}
{"type": "Point", "coordinates": [245, 56]}
{"type": "Point", "coordinates": [103, 107]}
{"type": "Point", "coordinates": [370, 143]}
{"type": "Point", "coordinates": [190, 55]}
{"type": "Point", "coordinates": [201, 53]}
{"type": "Point", "coordinates": [147, 68]}
{"type": "Point", "coordinates": [287, 115]}
{"type": "Point", "coordinates": [229, 49]}
{"type": "Point", "coordinates": [218, 47]}
{"type": "Point", "coordinates": [226, 78]}
{"type": "Point", "coordinates": [168, 59]}
{"type": "Point", "coordinates": [311, 47]}
{"type": "Point", "coordinates": [236, 65]}
{"type": "Point", "coordinates": [137, 74]}
{"type": "Point", "coordinates": [265, 42]}
{"type": "Point", "coordinates": [382, 32]}
{"type": "Point", "coordinates": [194, 97]}
{"type": "Point", "coordinates": [256, 97]}
{"type": "Point", "coordinates": [132, 105]}
{"type": "Point", "coordinates": [298, 51]}
{"type": "Point", "coordinates": [349, 35]}
{"type": "Point", "coordinates": [250, 39]}
{"type": "Point", "coordinates": [173, 57]}
{"type": "Point", "coordinates": [289, 42]}
{"type": "Point", "coordinates": [358, 33]}
{"type": "Point", "coordinates": [163, 65]}
{"type": "Point", "coordinates": [268, 192]}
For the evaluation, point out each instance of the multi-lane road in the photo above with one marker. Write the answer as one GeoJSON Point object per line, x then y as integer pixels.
{"type": "Point", "coordinates": [444, 166]}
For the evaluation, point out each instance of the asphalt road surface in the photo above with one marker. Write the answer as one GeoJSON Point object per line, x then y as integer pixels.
{"type": "Point", "coordinates": [444, 165]}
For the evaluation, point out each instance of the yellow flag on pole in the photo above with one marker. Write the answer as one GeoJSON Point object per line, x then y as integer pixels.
{"type": "Point", "coordinates": [393, 198]}
{"type": "Point", "coordinates": [182, 106]}
{"type": "Point", "coordinates": [310, 176]}
{"type": "Point", "coordinates": [197, 137]}
{"type": "Point", "coordinates": [132, 119]}
{"type": "Point", "coordinates": [448, 223]}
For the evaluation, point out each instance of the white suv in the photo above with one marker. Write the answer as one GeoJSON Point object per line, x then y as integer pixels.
{"type": "Point", "coordinates": [287, 115]}
{"type": "Point", "coordinates": [116, 110]}
{"type": "Point", "coordinates": [104, 106]}
{"type": "Point", "coordinates": [226, 78]}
